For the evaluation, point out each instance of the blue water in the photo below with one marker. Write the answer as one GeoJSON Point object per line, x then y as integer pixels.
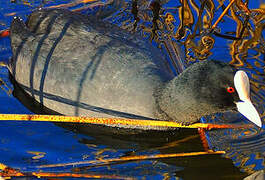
{"type": "Point", "coordinates": [27, 145]}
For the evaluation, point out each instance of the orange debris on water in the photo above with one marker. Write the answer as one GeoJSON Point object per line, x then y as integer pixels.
{"type": "Point", "coordinates": [203, 139]}
{"type": "Point", "coordinates": [4, 33]}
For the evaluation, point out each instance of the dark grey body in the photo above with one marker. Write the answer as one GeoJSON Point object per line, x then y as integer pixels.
{"type": "Point", "coordinates": [79, 66]}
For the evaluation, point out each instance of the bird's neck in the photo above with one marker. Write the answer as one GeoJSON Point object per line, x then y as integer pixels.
{"type": "Point", "coordinates": [164, 100]}
{"type": "Point", "coordinates": [177, 101]}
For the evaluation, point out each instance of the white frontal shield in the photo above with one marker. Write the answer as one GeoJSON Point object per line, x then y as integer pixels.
{"type": "Point", "coordinates": [245, 107]}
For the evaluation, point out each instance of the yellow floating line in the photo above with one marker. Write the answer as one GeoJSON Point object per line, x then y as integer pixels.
{"type": "Point", "coordinates": [222, 15]}
{"type": "Point", "coordinates": [63, 175]}
{"type": "Point", "coordinates": [2, 167]}
{"type": "Point", "coordinates": [110, 121]}
{"type": "Point", "coordinates": [8, 172]}
{"type": "Point", "coordinates": [132, 158]}
{"type": "Point", "coordinates": [3, 64]}
{"type": "Point", "coordinates": [78, 175]}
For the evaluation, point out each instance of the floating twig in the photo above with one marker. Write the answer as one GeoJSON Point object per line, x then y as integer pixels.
{"type": "Point", "coordinates": [222, 15]}
{"type": "Point", "coordinates": [8, 172]}
{"type": "Point", "coordinates": [112, 121]}
{"type": "Point", "coordinates": [132, 158]}
{"type": "Point", "coordinates": [203, 139]}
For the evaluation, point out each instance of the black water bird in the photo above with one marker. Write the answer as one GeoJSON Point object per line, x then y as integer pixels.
{"type": "Point", "coordinates": [77, 65]}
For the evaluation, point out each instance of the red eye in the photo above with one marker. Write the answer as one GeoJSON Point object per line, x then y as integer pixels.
{"type": "Point", "coordinates": [230, 89]}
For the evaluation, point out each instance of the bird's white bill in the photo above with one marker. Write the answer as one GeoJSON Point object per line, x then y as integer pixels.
{"type": "Point", "coordinates": [245, 107]}
{"type": "Point", "coordinates": [241, 83]}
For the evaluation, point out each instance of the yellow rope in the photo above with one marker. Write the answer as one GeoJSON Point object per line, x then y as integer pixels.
{"type": "Point", "coordinates": [2, 166]}
{"type": "Point", "coordinates": [132, 158]}
{"type": "Point", "coordinates": [223, 13]}
{"type": "Point", "coordinates": [3, 64]}
{"type": "Point", "coordinates": [8, 172]}
{"type": "Point", "coordinates": [110, 121]}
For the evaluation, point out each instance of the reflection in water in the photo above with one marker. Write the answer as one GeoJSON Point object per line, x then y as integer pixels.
{"type": "Point", "coordinates": [245, 147]}
{"type": "Point", "coordinates": [189, 23]}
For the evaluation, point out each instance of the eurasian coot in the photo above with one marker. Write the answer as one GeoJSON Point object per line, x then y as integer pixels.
{"type": "Point", "coordinates": [77, 65]}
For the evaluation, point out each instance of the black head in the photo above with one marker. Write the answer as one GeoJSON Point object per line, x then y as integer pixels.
{"type": "Point", "coordinates": [214, 84]}
{"type": "Point", "coordinates": [221, 86]}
